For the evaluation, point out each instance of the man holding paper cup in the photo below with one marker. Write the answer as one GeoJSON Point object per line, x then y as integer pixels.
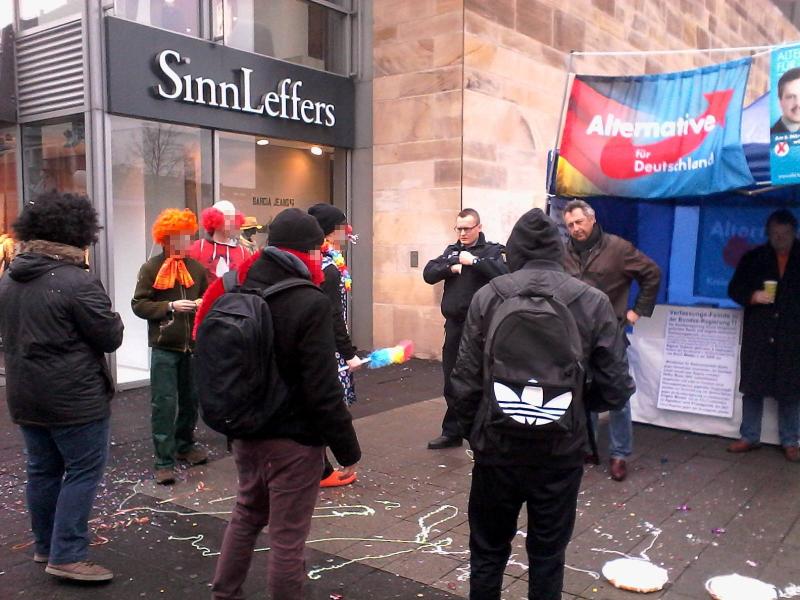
{"type": "Point", "coordinates": [767, 284]}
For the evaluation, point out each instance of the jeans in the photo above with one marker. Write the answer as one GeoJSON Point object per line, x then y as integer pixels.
{"type": "Point", "coordinates": [496, 496]}
{"type": "Point", "coordinates": [65, 464]}
{"type": "Point", "coordinates": [278, 486]}
{"type": "Point", "coordinates": [452, 339]}
{"type": "Point", "coordinates": [173, 399]}
{"type": "Point", "coordinates": [620, 431]}
{"type": "Point", "coordinates": [788, 419]}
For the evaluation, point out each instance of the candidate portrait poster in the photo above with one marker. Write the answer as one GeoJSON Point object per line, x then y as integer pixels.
{"type": "Point", "coordinates": [784, 132]}
{"type": "Point", "coordinates": [655, 136]}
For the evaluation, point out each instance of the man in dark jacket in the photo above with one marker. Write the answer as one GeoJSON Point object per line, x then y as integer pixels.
{"type": "Point", "coordinates": [465, 267]}
{"type": "Point", "coordinates": [770, 360]}
{"type": "Point", "coordinates": [168, 288]}
{"type": "Point", "coordinates": [611, 264]}
{"type": "Point", "coordinates": [544, 472]}
{"type": "Point", "coordinates": [279, 469]}
{"type": "Point", "coordinates": [57, 325]}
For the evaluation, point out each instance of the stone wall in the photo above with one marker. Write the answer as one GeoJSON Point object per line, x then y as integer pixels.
{"type": "Point", "coordinates": [468, 96]}
{"type": "Point", "coordinates": [418, 54]}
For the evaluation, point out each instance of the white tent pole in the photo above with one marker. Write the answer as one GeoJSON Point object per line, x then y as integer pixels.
{"type": "Point", "coordinates": [684, 51]}
{"type": "Point", "coordinates": [564, 98]}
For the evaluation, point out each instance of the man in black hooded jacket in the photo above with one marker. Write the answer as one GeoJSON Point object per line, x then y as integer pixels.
{"type": "Point", "coordinates": [544, 472]}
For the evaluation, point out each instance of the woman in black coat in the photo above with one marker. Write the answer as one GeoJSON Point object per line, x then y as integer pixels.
{"type": "Point", "coordinates": [770, 358]}
{"type": "Point", "coordinates": [336, 286]}
{"type": "Point", "coordinates": [57, 324]}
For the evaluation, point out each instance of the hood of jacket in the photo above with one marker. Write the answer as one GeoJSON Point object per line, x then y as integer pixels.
{"type": "Point", "coordinates": [534, 237]}
{"type": "Point", "coordinates": [37, 257]}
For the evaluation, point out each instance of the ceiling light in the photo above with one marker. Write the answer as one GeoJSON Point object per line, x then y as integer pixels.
{"type": "Point", "coordinates": [262, 142]}
{"type": "Point", "coordinates": [316, 150]}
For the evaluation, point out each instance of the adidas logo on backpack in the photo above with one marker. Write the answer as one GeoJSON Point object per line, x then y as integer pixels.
{"type": "Point", "coordinates": [532, 359]}
{"type": "Point", "coordinates": [529, 407]}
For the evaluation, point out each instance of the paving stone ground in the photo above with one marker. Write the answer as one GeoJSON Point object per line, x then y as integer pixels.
{"type": "Point", "coordinates": [401, 530]}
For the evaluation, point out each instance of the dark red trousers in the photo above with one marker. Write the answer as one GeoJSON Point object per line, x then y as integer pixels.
{"type": "Point", "coordinates": [278, 486]}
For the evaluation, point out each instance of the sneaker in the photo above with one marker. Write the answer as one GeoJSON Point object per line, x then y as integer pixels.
{"type": "Point", "coordinates": [195, 456]}
{"type": "Point", "coordinates": [80, 571]}
{"type": "Point", "coordinates": [335, 480]}
{"type": "Point", "coordinates": [165, 476]}
{"type": "Point", "coordinates": [792, 453]}
{"type": "Point", "coordinates": [40, 558]}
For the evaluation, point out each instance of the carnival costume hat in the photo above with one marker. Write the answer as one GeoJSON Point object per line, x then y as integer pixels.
{"type": "Point", "coordinates": [173, 221]}
{"type": "Point", "coordinates": [214, 218]}
{"type": "Point", "coordinates": [252, 223]}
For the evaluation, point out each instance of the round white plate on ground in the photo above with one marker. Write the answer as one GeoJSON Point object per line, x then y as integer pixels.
{"type": "Point", "coordinates": [737, 587]}
{"type": "Point", "coordinates": [635, 575]}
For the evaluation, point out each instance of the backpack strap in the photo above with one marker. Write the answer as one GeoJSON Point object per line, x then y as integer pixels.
{"type": "Point", "coordinates": [505, 287]}
{"type": "Point", "coordinates": [230, 280]}
{"type": "Point", "coordinates": [285, 284]}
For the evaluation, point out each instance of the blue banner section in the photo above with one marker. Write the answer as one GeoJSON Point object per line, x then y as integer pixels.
{"type": "Point", "coordinates": [724, 234]}
{"type": "Point", "coordinates": [784, 155]}
{"type": "Point", "coordinates": [656, 136]}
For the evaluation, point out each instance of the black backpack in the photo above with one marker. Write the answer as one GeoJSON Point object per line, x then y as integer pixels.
{"type": "Point", "coordinates": [238, 383]}
{"type": "Point", "coordinates": [532, 362]}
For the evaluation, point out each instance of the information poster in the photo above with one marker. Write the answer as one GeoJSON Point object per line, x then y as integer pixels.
{"type": "Point", "coordinates": [701, 349]}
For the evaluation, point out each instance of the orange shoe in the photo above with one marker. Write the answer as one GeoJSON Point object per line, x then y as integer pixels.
{"type": "Point", "coordinates": [335, 480]}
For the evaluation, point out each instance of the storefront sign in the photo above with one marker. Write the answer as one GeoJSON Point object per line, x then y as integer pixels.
{"type": "Point", "coordinates": [701, 349]}
{"type": "Point", "coordinates": [176, 78]}
{"type": "Point", "coordinates": [655, 136]}
{"type": "Point", "coordinates": [284, 103]}
{"type": "Point", "coordinates": [784, 156]}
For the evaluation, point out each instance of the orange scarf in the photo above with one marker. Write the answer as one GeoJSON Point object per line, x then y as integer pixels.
{"type": "Point", "coordinates": [172, 269]}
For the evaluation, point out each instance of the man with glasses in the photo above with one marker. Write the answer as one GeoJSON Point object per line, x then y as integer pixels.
{"type": "Point", "coordinates": [465, 267]}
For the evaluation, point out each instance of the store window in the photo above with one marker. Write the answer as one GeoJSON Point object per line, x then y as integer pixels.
{"type": "Point", "coordinates": [182, 16]}
{"type": "Point", "coordinates": [262, 179]}
{"type": "Point", "coordinates": [9, 198]}
{"type": "Point", "coordinates": [296, 31]}
{"type": "Point", "coordinates": [154, 166]}
{"type": "Point", "coordinates": [54, 158]}
{"type": "Point", "coordinates": [34, 13]}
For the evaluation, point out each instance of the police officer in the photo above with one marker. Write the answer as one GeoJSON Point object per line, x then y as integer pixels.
{"type": "Point", "coordinates": [465, 267]}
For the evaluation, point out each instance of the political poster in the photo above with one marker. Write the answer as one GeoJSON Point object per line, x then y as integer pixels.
{"type": "Point", "coordinates": [655, 136]}
{"type": "Point", "coordinates": [784, 131]}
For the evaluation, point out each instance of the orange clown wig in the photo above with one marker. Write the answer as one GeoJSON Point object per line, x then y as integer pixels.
{"type": "Point", "coordinates": [173, 221]}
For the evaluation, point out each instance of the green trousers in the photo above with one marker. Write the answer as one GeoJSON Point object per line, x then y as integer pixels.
{"type": "Point", "coordinates": [173, 403]}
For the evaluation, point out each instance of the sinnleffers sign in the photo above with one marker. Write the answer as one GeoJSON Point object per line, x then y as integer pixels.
{"type": "Point", "coordinates": [156, 74]}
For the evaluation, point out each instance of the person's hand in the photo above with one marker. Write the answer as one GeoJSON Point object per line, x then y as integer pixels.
{"type": "Point", "coordinates": [761, 297]}
{"type": "Point", "coordinates": [184, 306]}
{"type": "Point", "coordinates": [346, 472]}
{"type": "Point", "coordinates": [354, 363]}
{"type": "Point", "coordinates": [466, 258]}
{"type": "Point", "coordinates": [455, 269]}
{"type": "Point", "coordinates": [632, 317]}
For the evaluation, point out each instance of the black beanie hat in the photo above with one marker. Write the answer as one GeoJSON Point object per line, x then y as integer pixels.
{"type": "Point", "coordinates": [328, 217]}
{"type": "Point", "coordinates": [296, 230]}
{"type": "Point", "coordinates": [534, 237]}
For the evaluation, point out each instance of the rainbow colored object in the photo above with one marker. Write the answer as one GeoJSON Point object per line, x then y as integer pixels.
{"type": "Point", "coordinates": [391, 356]}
